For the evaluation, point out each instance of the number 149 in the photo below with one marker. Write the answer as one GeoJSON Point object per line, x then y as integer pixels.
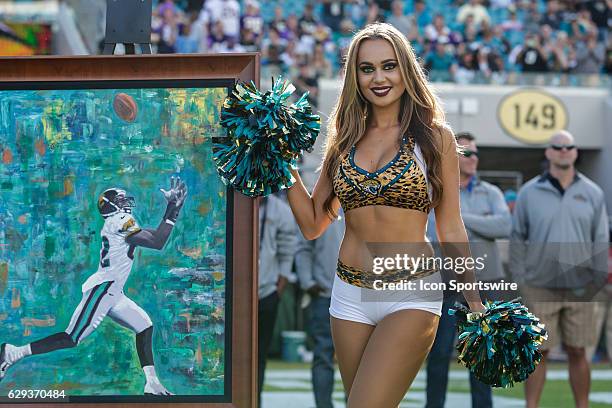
{"type": "Point", "coordinates": [543, 117]}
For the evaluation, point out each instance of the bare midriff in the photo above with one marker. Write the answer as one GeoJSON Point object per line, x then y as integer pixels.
{"type": "Point", "coordinates": [383, 231]}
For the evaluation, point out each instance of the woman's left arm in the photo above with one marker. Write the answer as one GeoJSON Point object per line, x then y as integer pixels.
{"type": "Point", "coordinates": [451, 231]}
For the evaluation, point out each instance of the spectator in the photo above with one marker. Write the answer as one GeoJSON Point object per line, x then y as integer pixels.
{"type": "Point", "coordinates": [439, 31]}
{"type": "Point", "coordinates": [332, 14]}
{"type": "Point", "coordinates": [252, 20]}
{"type": "Point", "coordinates": [439, 62]}
{"type": "Point", "coordinates": [553, 16]}
{"type": "Point", "coordinates": [200, 30]}
{"type": "Point", "coordinates": [214, 8]}
{"type": "Point", "coordinates": [470, 35]}
{"type": "Point", "coordinates": [217, 38]}
{"type": "Point", "coordinates": [572, 60]}
{"type": "Point", "coordinates": [280, 24]}
{"type": "Point", "coordinates": [486, 62]}
{"type": "Point", "coordinates": [306, 42]}
{"type": "Point", "coordinates": [546, 37]}
{"type": "Point", "coordinates": [547, 43]}
{"type": "Point", "coordinates": [495, 40]}
{"type": "Point", "coordinates": [168, 31]}
{"type": "Point", "coordinates": [581, 26]}
{"type": "Point", "coordinates": [321, 65]}
{"type": "Point", "coordinates": [356, 12]}
{"type": "Point", "coordinates": [315, 264]}
{"type": "Point", "coordinates": [512, 24]}
{"type": "Point", "coordinates": [530, 57]}
{"type": "Point", "coordinates": [230, 15]}
{"type": "Point", "coordinates": [464, 73]}
{"type": "Point", "coordinates": [586, 24]}
{"type": "Point", "coordinates": [531, 17]}
{"type": "Point", "coordinates": [307, 81]}
{"type": "Point", "coordinates": [165, 5]}
{"type": "Point", "coordinates": [497, 63]}
{"type": "Point", "coordinates": [487, 218]}
{"type": "Point", "coordinates": [186, 42]}
{"type": "Point", "coordinates": [557, 281]}
{"type": "Point", "coordinates": [399, 19]}
{"type": "Point", "coordinates": [322, 35]}
{"type": "Point", "coordinates": [590, 56]}
{"type": "Point", "coordinates": [422, 15]}
{"type": "Point", "coordinates": [342, 39]}
{"type": "Point", "coordinates": [567, 13]}
{"type": "Point", "coordinates": [249, 41]}
{"type": "Point", "coordinates": [560, 52]}
{"type": "Point", "coordinates": [277, 244]}
{"type": "Point", "coordinates": [601, 16]}
{"type": "Point", "coordinates": [288, 57]}
{"type": "Point", "coordinates": [474, 8]}
{"type": "Point", "coordinates": [271, 50]}
{"type": "Point", "coordinates": [293, 27]}
{"type": "Point", "coordinates": [307, 22]}
{"type": "Point", "coordinates": [375, 14]}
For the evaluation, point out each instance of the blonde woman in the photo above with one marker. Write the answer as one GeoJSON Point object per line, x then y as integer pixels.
{"type": "Point", "coordinates": [389, 160]}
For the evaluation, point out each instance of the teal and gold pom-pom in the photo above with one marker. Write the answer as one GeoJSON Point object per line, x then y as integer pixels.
{"type": "Point", "coordinates": [265, 137]}
{"type": "Point", "coordinates": [501, 345]}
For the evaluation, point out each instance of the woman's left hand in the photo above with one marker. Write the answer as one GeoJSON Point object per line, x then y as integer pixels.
{"type": "Point", "coordinates": [476, 307]}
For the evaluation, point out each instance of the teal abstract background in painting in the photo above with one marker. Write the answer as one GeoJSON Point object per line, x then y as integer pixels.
{"type": "Point", "coordinates": [59, 149]}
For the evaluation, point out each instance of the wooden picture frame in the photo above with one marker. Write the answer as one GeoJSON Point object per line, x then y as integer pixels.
{"type": "Point", "coordinates": [241, 289]}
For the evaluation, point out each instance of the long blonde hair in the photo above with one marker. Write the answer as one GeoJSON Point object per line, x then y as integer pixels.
{"type": "Point", "coordinates": [419, 112]}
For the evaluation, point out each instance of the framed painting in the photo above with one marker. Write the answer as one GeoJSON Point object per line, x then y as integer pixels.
{"type": "Point", "coordinates": [126, 265]}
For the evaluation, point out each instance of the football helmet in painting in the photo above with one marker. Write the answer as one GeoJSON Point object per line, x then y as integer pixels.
{"type": "Point", "coordinates": [113, 201]}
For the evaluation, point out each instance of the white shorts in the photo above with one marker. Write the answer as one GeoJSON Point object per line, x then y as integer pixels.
{"type": "Point", "coordinates": [369, 306]}
{"type": "Point", "coordinates": [106, 299]}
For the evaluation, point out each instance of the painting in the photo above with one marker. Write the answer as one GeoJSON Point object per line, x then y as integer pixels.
{"type": "Point", "coordinates": [23, 39]}
{"type": "Point", "coordinates": [115, 232]}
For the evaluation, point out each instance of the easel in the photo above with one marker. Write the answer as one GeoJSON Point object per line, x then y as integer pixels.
{"type": "Point", "coordinates": [128, 22]}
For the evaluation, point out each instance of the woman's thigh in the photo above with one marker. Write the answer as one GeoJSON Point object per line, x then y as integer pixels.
{"type": "Point", "coordinates": [392, 358]}
{"type": "Point", "coordinates": [350, 339]}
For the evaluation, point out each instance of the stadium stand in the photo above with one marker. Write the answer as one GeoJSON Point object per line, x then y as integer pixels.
{"type": "Point", "coordinates": [462, 41]}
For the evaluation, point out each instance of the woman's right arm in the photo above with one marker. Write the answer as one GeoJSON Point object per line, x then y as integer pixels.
{"type": "Point", "coordinates": [308, 210]}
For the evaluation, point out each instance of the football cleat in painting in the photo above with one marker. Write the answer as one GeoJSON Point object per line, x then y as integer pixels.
{"type": "Point", "coordinates": [9, 355]}
{"type": "Point", "coordinates": [154, 387]}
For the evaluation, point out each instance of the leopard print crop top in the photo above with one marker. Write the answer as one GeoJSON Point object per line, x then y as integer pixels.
{"type": "Point", "coordinates": [401, 183]}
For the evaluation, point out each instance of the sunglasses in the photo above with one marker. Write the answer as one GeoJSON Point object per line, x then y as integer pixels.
{"type": "Point", "coordinates": [558, 147]}
{"type": "Point", "coordinates": [469, 153]}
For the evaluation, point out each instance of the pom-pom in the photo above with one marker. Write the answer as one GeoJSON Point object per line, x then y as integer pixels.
{"type": "Point", "coordinates": [266, 137]}
{"type": "Point", "coordinates": [500, 345]}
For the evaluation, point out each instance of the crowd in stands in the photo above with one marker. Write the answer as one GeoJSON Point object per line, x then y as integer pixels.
{"type": "Point", "coordinates": [456, 40]}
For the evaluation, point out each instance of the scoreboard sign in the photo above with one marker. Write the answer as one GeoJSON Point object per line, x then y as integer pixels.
{"type": "Point", "coordinates": [532, 115]}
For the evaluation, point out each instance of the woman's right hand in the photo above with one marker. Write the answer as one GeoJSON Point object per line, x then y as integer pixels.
{"type": "Point", "coordinates": [308, 210]}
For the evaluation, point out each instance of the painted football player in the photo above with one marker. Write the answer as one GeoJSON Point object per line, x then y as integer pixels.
{"type": "Point", "coordinates": [103, 292]}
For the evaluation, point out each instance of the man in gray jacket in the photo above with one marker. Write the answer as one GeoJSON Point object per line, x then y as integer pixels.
{"type": "Point", "coordinates": [277, 243]}
{"type": "Point", "coordinates": [487, 218]}
{"type": "Point", "coordinates": [558, 255]}
{"type": "Point", "coordinates": [315, 263]}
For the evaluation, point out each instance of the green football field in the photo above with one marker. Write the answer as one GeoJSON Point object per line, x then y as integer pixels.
{"type": "Point", "coordinates": [289, 383]}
